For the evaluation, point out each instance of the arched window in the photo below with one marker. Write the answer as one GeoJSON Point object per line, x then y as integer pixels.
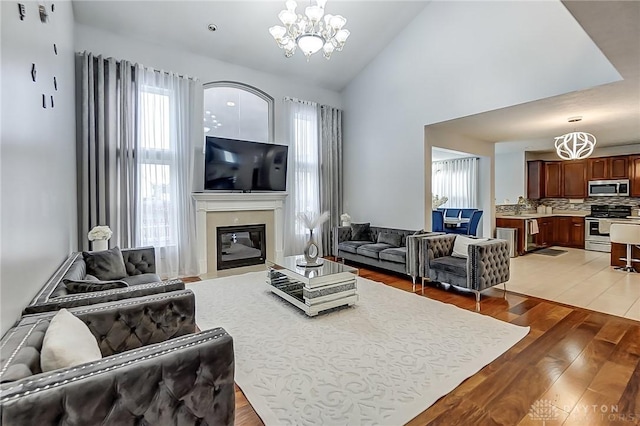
{"type": "Point", "coordinates": [237, 111]}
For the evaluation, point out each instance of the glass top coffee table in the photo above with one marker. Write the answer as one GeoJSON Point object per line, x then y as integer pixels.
{"type": "Point", "coordinates": [313, 289]}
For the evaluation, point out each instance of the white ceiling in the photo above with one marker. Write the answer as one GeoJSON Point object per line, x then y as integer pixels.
{"type": "Point", "coordinates": [611, 112]}
{"type": "Point", "coordinates": [243, 38]}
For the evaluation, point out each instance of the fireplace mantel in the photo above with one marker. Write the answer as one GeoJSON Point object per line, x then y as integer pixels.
{"type": "Point", "coordinates": [235, 201]}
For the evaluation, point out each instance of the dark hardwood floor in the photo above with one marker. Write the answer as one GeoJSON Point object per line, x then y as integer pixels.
{"type": "Point", "coordinates": [586, 364]}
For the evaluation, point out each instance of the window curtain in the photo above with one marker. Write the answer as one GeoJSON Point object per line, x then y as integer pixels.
{"type": "Point", "coordinates": [167, 128]}
{"type": "Point", "coordinates": [303, 171]}
{"type": "Point", "coordinates": [331, 187]}
{"type": "Point", "coordinates": [457, 180]}
{"type": "Point", "coordinates": [106, 146]}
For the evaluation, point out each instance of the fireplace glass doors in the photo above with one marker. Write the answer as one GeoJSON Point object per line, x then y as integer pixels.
{"type": "Point", "coordinates": [240, 246]}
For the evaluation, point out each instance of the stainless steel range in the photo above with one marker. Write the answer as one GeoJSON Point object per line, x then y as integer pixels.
{"type": "Point", "coordinates": [597, 226]}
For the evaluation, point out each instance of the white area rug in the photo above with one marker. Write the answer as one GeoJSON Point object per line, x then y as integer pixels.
{"type": "Point", "coordinates": [382, 361]}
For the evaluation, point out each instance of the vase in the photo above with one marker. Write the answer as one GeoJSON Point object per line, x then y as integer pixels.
{"type": "Point", "coordinates": [311, 251]}
{"type": "Point", "coordinates": [99, 245]}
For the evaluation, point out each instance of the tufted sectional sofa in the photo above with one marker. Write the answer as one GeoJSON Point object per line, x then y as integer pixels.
{"type": "Point", "coordinates": [487, 263]}
{"type": "Point", "coordinates": [155, 370]}
{"type": "Point", "coordinates": [142, 280]}
{"type": "Point", "coordinates": [403, 259]}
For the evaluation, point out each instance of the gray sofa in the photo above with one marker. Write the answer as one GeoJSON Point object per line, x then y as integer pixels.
{"type": "Point", "coordinates": [156, 369]}
{"type": "Point", "coordinates": [141, 277]}
{"type": "Point", "coordinates": [403, 259]}
{"type": "Point", "coordinates": [487, 263]}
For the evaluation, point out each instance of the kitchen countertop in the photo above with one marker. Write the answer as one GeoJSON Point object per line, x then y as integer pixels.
{"type": "Point", "coordinates": [534, 215]}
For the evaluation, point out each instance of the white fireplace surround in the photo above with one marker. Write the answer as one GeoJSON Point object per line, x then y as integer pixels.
{"type": "Point", "coordinates": [235, 201]}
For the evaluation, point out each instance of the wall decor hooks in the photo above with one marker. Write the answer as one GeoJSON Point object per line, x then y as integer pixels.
{"type": "Point", "coordinates": [55, 84]}
{"type": "Point", "coordinates": [33, 72]}
{"type": "Point", "coordinates": [43, 14]}
{"type": "Point", "coordinates": [55, 49]}
{"type": "Point", "coordinates": [53, 7]}
{"type": "Point", "coordinates": [22, 11]}
{"type": "Point", "coordinates": [44, 101]}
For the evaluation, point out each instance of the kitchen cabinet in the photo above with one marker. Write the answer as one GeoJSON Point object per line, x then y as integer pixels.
{"type": "Point", "coordinates": [619, 167]}
{"type": "Point", "coordinates": [535, 180]}
{"type": "Point", "coordinates": [576, 235]}
{"type": "Point", "coordinates": [574, 179]}
{"type": "Point", "coordinates": [545, 234]}
{"type": "Point", "coordinates": [562, 231]}
{"type": "Point", "coordinates": [608, 168]}
{"type": "Point", "coordinates": [634, 175]}
{"type": "Point", "coordinates": [553, 179]}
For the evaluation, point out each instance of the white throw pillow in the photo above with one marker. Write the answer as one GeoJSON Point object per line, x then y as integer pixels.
{"type": "Point", "coordinates": [461, 245]}
{"type": "Point", "coordinates": [67, 342]}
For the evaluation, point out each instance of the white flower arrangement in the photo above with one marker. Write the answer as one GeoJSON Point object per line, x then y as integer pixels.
{"type": "Point", "coordinates": [312, 222]}
{"type": "Point", "coordinates": [436, 201]}
{"type": "Point", "coordinates": [345, 217]}
{"type": "Point", "coordinates": [100, 233]}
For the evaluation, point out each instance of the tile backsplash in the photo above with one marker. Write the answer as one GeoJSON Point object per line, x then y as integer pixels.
{"type": "Point", "coordinates": [565, 204]}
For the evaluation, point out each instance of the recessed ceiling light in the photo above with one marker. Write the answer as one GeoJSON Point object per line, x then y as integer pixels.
{"type": "Point", "coordinates": [206, 129]}
{"type": "Point", "coordinates": [215, 121]}
{"type": "Point", "coordinates": [212, 27]}
{"type": "Point", "coordinates": [219, 124]}
{"type": "Point", "coordinates": [208, 112]}
{"type": "Point", "coordinates": [213, 116]}
{"type": "Point", "coordinates": [231, 104]}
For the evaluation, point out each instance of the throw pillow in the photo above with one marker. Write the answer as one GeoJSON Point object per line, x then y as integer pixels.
{"type": "Point", "coordinates": [461, 245]}
{"type": "Point", "coordinates": [392, 239]}
{"type": "Point", "coordinates": [67, 342]}
{"type": "Point", "coordinates": [107, 265]}
{"type": "Point", "coordinates": [86, 286]}
{"type": "Point", "coordinates": [360, 231]}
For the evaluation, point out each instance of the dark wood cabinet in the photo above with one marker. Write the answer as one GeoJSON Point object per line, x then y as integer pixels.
{"type": "Point", "coordinates": [634, 175]}
{"type": "Point", "coordinates": [619, 167]}
{"type": "Point", "coordinates": [574, 179]}
{"type": "Point", "coordinates": [553, 179]}
{"type": "Point", "coordinates": [545, 236]}
{"type": "Point", "coordinates": [562, 231]}
{"type": "Point", "coordinates": [598, 168]}
{"type": "Point", "coordinates": [535, 180]}
{"type": "Point", "coordinates": [576, 236]}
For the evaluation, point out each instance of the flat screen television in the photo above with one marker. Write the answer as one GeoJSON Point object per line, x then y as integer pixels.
{"type": "Point", "coordinates": [231, 164]}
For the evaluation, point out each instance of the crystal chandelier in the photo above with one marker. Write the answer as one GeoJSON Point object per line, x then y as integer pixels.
{"type": "Point", "coordinates": [575, 145]}
{"type": "Point", "coordinates": [311, 32]}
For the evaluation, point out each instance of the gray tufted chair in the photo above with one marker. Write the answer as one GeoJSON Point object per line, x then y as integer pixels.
{"type": "Point", "coordinates": [141, 277]}
{"type": "Point", "coordinates": [156, 369]}
{"type": "Point", "coordinates": [487, 263]}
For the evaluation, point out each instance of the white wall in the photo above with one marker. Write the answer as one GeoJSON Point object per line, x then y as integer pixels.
{"type": "Point", "coordinates": [38, 168]}
{"type": "Point", "coordinates": [454, 59]}
{"type": "Point", "coordinates": [207, 70]}
{"type": "Point", "coordinates": [510, 177]}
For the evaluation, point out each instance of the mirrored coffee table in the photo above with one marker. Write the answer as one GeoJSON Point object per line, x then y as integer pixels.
{"type": "Point", "coordinates": [313, 289]}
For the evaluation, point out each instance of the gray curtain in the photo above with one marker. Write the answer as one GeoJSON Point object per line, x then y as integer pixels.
{"type": "Point", "coordinates": [106, 145]}
{"type": "Point", "coordinates": [331, 188]}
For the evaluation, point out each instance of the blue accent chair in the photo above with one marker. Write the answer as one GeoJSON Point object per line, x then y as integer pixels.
{"type": "Point", "coordinates": [452, 213]}
{"type": "Point", "coordinates": [472, 227]}
{"type": "Point", "coordinates": [437, 221]}
{"type": "Point", "coordinates": [467, 213]}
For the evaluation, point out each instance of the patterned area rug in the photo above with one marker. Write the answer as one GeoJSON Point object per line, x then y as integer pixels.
{"type": "Point", "coordinates": [382, 361]}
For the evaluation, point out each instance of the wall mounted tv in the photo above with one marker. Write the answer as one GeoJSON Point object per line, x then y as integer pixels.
{"type": "Point", "coordinates": [236, 165]}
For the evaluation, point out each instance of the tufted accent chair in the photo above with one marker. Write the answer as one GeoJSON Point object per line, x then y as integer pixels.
{"type": "Point", "coordinates": [156, 369]}
{"type": "Point", "coordinates": [141, 277]}
{"type": "Point", "coordinates": [487, 263]}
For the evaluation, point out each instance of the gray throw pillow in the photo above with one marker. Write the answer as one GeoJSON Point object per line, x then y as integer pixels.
{"type": "Point", "coordinates": [107, 265]}
{"type": "Point", "coordinates": [86, 286]}
{"type": "Point", "coordinates": [392, 239]}
{"type": "Point", "coordinates": [360, 232]}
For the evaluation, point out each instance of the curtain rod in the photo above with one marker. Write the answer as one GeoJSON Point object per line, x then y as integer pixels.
{"type": "Point", "coordinates": [133, 65]}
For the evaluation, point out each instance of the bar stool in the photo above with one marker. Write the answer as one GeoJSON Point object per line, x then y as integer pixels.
{"type": "Point", "coordinates": [629, 234]}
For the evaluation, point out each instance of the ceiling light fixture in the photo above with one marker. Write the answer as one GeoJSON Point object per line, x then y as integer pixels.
{"type": "Point", "coordinates": [311, 32]}
{"type": "Point", "coordinates": [231, 104]}
{"type": "Point", "coordinates": [575, 145]}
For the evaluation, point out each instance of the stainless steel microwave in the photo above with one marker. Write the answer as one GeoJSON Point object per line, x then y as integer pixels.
{"type": "Point", "coordinates": [609, 188]}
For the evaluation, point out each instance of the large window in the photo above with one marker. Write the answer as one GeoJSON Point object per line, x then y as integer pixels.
{"type": "Point", "coordinates": [156, 159]}
{"type": "Point", "coordinates": [237, 111]}
{"type": "Point", "coordinates": [307, 167]}
{"type": "Point", "coordinates": [457, 180]}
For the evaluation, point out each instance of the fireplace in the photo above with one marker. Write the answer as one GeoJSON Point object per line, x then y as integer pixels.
{"type": "Point", "coordinates": [243, 245]}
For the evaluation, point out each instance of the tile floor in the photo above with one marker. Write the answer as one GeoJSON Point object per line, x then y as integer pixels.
{"type": "Point", "coordinates": [579, 278]}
